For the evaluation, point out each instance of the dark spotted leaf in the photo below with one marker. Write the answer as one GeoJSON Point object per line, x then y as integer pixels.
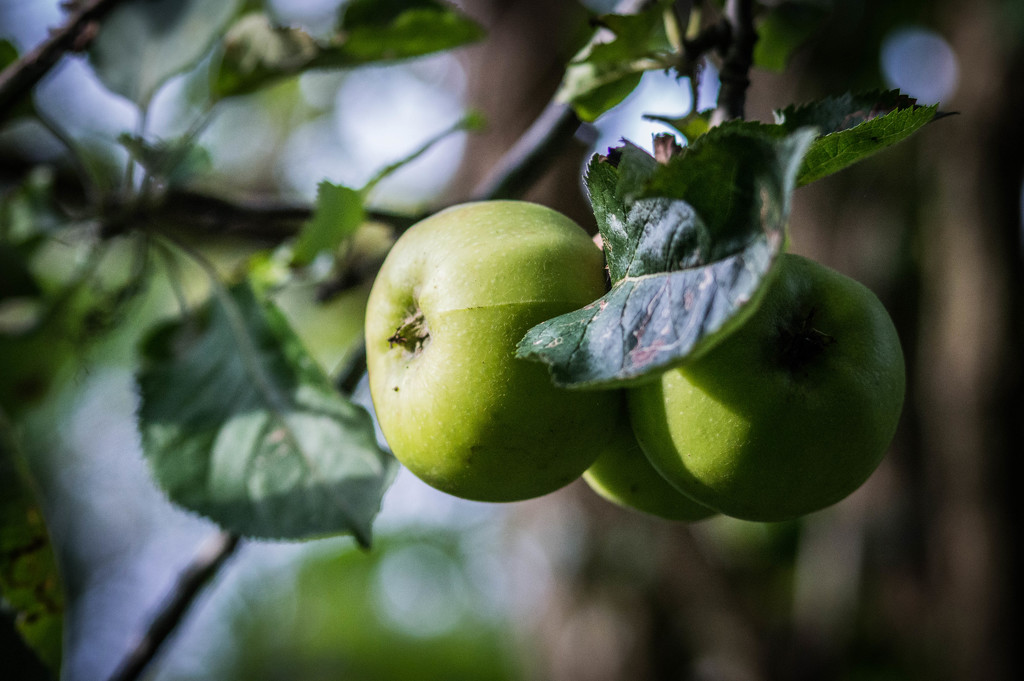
{"type": "Point", "coordinates": [853, 127]}
{"type": "Point", "coordinates": [688, 245]}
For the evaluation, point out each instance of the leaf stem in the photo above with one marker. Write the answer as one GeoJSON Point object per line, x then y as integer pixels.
{"type": "Point", "coordinates": [677, 19]}
{"type": "Point", "coordinates": [278, 403]}
{"type": "Point", "coordinates": [247, 350]}
{"type": "Point", "coordinates": [90, 184]}
{"type": "Point", "coordinates": [174, 277]}
{"type": "Point", "coordinates": [468, 122]}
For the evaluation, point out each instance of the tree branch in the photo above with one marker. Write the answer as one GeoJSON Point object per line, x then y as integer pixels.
{"type": "Point", "coordinates": [525, 160]}
{"type": "Point", "coordinates": [714, 37]}
{"type": "Point", "coordinates": [74, 36]}
{"type": "Point", "coordinates": [212, 555]}
{"type": "Point", "coordinates": [739, 57]}
{"type": "Point", "coordinates": [271, 222]}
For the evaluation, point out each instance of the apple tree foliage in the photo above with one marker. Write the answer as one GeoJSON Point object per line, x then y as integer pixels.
{"type": "Point", "coordinates": [689, 241]}
{"type": "Point", "coordinates": [237, 419]}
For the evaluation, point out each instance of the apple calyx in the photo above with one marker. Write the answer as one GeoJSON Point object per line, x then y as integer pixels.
{"type": "Point", "coordinates": [413, 335]}
{"type": "Point", "coordinates": [800, 343]}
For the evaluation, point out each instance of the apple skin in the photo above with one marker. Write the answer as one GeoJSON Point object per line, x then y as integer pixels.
{"type": "Point", "coordinates": [623, 475]}
{"type": "Point", "coordinates": [453, 298]}
{"type": "Point", "coordinates": [788, 414]}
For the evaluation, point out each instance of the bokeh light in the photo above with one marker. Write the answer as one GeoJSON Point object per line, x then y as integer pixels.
{"type": "Point", "coordinates": [420, 590]}
{"type": "Point", "coordinates": [660, 94]}
{"type": "Point", "coordinates": [379, 116]}
{"type": "Point", "coordinates": [920, 63]}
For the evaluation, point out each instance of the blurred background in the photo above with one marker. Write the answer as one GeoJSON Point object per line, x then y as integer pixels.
{"type": "Point", "coordinates": [915, 576]}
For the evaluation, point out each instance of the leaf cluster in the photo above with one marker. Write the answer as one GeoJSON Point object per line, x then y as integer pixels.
{"type": "Point", "coordinates": [659, 37]}
{"type": "Point", "coordinates": [690, 238]}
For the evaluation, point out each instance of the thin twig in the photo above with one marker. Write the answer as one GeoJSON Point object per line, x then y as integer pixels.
{"type": "Point", "coordinates": [74, 36]}
{"type": "Point", "coordinates": [739, 57]}
{"type": "Point", "coordinates": [203, 568]}
{"type": "Point", "coordinates": [681, 11]}
{"type": "Point", "coordinates": [352, 372]}
{"type": "Point", "coordinates": [525, 160]}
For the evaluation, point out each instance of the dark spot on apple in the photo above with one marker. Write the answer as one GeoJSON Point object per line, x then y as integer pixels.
{"type": "Point", "coordinates": [799, 343]}
{"type": "Point", "coordinates": [395, 388]}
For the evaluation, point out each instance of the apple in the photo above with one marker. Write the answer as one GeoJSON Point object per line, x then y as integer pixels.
{"type": "Point", "coordinates": [788, 414]}
{"type": "Point", "coordinates": [623, 475]}
{"type": "Point", "coordinates": [454, 296]}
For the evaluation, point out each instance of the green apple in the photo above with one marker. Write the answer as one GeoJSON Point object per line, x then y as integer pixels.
{"type": "Point", "coordinates": [789, 413]}
{"type": "Point", "coordinates": [623, 475]}
{"type": "Point", "coordinates": [453, 298]}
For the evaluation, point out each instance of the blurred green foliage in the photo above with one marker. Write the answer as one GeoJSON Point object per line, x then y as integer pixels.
{"type": "Point", "coordinates": [406, 610]}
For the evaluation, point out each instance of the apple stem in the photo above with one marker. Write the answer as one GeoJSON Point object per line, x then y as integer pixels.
{"type": "Point", "coordinates": [413, 335]}
{"type": "Point", "coordinates": [803, 343]}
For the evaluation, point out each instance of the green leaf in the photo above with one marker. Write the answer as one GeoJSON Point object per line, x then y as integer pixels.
{"type": "Point", "coordinates": [592, 91]}
{"type": "Point", "coordinates": [24, 107]}
{"type": "Point", "coordinates": [257, 53]}
{"type": "Point", "coordinates": [145, 42]}
{"type": "Point", "coordinates": [784, 28]}
{"type": "Point", "coordinates": [339, 212]}
{"type": "Point", "coordinates": [30, 209]}
{"type": "Point", "coordinates": [35, 345]}
{"type": "Point", "coordinates": [29, 581]}
{"type": "Point", "coordinates": [853, 127]}
{"type": "Point", "coordinates": [241, 425]}
{"type": "Point", "coordinates": [8, 54]}
{"type": "Point", "coordinates": [387, 30]}
{"type": "Point", "coordinates": [604, 73]}
{"type": "Point", "coordinates": [688, 245]}
{"type": "Point", "coordinates": [174, 161]}
{"type": "Point", "coordinates": [691, 126]}
{"type": "Point", "coordinates": [16, 280]}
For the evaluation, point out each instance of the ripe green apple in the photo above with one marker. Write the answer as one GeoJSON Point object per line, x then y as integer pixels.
{"type": "Point", "coordinates": [453, 298]}
{"type": "Point", "coordinates": [789, 413]}
{"type": "Point", "coordinates": [623, 475]}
